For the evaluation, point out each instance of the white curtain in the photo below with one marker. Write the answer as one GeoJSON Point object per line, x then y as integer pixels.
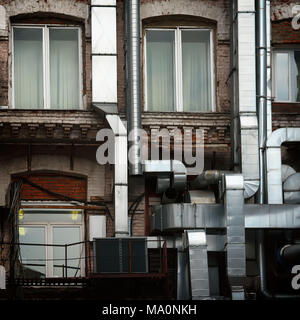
{"type": "Point", "coordinates": [196, 70]}
{"type": "Point", "coordinates": [296, 55]}
{"type": "Point", "coordinates": [28, 68]}
{"type": "Point", "coordinates": [160, 70]}
{"type": "Point", "coordinates": [282, 76]}
{"type": "Point", "coordinates": [64, 69]}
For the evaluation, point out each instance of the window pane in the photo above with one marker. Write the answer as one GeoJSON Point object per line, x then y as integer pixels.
{"type": "Point", "coordinates": [28, 68]}
{"type": "Point", "coordinates": [295, 68]}
{"type": "Point", "coordinates": [66, 235]}
{"type": "Point", "coordinates": [160, 70]}
{"type": "Point", "coordinates": [196, 70]}
{"type": "Point", "coordinates": [52, 216]}
{"type": "Point", "coordinates": [33, 257]}
{"type": "Point", "coordinates": [64, 68]}
{"type": "Point", "coordinates": [282, 76]}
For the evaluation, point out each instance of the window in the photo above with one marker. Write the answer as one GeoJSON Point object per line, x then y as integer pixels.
{"type": "Point", "coordinates": [51, 227]}
{"type": "Point", "coordinates": [179, 70]}
{"type": "Point", "coordinates": [46, 67]}
{"type": "Point", "coordinates": [286, 75]}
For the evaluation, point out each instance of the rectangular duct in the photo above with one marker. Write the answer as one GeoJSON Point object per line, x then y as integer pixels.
{"type": "Point", "coordinates": [195, 241]}
{"type": "Point", "coordinates": [235, 219]}
{"type": "Point", "coordinates": [244, 117]}
{"type": "Point", "coordinates": [104, 51]}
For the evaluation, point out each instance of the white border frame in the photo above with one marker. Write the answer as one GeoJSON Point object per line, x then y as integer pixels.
{"type": "Point", "coordinates": [49, 231]}
{"type": "Point", "coordinates": [178, 68]}
{"type": "Point", "coordinates": [46, 63]}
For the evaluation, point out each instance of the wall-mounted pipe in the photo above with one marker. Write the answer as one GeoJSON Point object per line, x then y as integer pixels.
{"type": "Point", "coordinates": [133, 88]}
{"type": "Point", "coordinates": [262, 93]}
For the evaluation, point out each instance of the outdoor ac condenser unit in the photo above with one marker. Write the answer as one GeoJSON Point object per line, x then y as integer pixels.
{"type": "Point", "coordinates": [120, 255]}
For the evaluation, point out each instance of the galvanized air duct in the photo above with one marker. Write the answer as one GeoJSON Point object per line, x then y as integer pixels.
{"type": "Point", "coordinates": [262, 94]}
{"type": "Point", "coordinates": [120, 169]}
{"type": "Point", "coordinates": [195, 242]}
{"type": "Point", "coordinates": [291, 189]}
{"type": "Point", "coordinates": [170, 173]}
{"type": "Point", "coordinates": [133, 88]}
{"type": "Point", "coordinates": [182, 216]}
{"type": "Point", "coordinates": [207, 177]}
{"type": "Point", "coordinates": [243, 84]}
{"type": "Point", "coordinates": [235, 220]}
{"type": "Point", "coordinates": [269, 67]}
{"type": "Point", "coordinates": [273, 153]}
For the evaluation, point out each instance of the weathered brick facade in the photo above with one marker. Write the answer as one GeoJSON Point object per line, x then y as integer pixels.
{"type": "Point", "coordinates": [57, 148]}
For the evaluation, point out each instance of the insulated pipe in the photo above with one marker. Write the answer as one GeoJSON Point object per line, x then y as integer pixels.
{"type": "Point", "coordinates": [262, 94]}
{"type": "Point", "coordinates": [290, 254]}
{"type": "Point", "coordinates": [133, 89]}
{"type": "Point", "coordinates": [263, 274]}
{"type": "Point", "coordinates": [208, 177]}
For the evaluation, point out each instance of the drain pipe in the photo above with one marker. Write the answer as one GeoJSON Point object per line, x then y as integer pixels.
{"type": "Point", "coordinates": [262, 94]}
{"type": "Point", "coordinates": [133, 88]}
{"type": "Point", "coordinates": [263, 273]}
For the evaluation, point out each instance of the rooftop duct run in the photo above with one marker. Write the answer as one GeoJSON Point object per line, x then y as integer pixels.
{"type": "Point", "coordinates": [273, 153]}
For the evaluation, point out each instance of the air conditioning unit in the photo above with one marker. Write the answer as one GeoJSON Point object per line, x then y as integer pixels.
{"type": "Point", "coordinates": [120, 255]}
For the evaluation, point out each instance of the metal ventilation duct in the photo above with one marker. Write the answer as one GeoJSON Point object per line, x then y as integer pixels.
{"type": "Point", "coordinates": [178, 217]}
{"type": "Point", "coordinates": [286, 171]}
{"type": "Point", "coordinates": [133, 88]}
{"type": "Point", "coordinates": [195, 242]}
{"type": "Point", "coordinates": [291, 188]}
{"type": "Point", "coordinates": [244, 117]}
{"type": "Point", "coordinates": [235, 220]}
{"type": "Point", "coordinates": [120, 170]}
{"type": "Point", "coordinates": [273, 153]}
{"type": "Point", "coordinates": [161, 168]}
{"type": "Point", "coordinates": [262, 93]}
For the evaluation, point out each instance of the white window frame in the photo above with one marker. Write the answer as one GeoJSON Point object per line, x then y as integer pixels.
{"type": "Point", "coordinates": [178, 94]}
{"type": "Point", "coordinates": [49, 239]}
{"type": "Point", "coordinates": [275, 75]}
{"type": "Point", "coordinates": [46, 62]}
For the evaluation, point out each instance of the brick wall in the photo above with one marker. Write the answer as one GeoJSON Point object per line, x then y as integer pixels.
{"type": "Point", "coordinates": [283, 33]}
{"type": "Point", "coordinates": [69, 186]}
{"type": "Point", "coordinates": [216, 12]}
{"type": "Point", "coordinates": [121, 56]}
{"type": "Point", "coordinates": [3, 71]}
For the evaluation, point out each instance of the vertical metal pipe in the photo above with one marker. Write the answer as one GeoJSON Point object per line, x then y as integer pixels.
{"type": "Point", "coordinates": [66, 260]}
{"type": "Point", "coordinates": [262, 94]}
{"type": "Point", "coordinates": [133, 83]}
